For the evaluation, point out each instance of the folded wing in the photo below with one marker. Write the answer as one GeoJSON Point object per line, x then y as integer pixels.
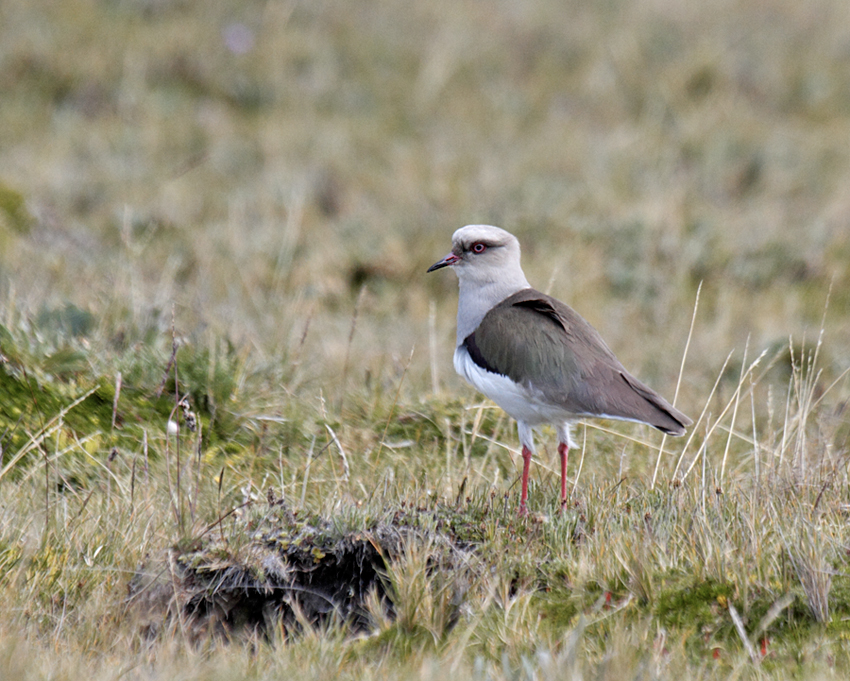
{"type": "Point", "coordinates": [544, 345]}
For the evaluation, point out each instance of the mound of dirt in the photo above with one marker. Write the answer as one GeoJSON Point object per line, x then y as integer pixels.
{"type": "Point", "coordinates": [285, 572]}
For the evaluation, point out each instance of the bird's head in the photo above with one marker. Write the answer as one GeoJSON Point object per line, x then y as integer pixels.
{"type": "Point", "coordinates": [483, 254]}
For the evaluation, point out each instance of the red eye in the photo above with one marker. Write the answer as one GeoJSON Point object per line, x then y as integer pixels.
{"type": "Point", "coordinates": [478, 248]}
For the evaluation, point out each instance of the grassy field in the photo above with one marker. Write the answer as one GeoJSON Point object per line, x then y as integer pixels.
{"type": "Point", "coordinates": [231, 441]}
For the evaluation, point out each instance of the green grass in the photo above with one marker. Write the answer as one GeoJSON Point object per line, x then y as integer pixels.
{"type": "Point", "coordinates": [250, 231]}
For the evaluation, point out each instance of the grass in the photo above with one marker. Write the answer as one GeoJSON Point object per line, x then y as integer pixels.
{"type": "Point", "coordinates": [223, 215]}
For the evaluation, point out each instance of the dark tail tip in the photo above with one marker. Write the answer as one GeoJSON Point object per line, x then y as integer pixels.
{"type": "Point", "coordinates": [679, 422]}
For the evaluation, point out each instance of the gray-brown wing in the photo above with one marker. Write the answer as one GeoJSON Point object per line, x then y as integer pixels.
{"type": "Point", "coordinates": [539, 342]}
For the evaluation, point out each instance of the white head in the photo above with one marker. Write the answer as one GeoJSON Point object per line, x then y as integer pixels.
{"type": "Point", "coordinates": [486, 260]}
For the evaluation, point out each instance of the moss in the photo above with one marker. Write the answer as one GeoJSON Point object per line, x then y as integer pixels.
{"type": "Point", "coordinates": [13, 210]}
{"type": "Point", "coordinates": [839, 600]}
{"type": "Point", "coordinates": [66, 321]}
{"type": "Point", "coordinates": [693, 604]}
{"type": "Point", "coordinates": [559, 609]}
{"type": "Point", "coordinates": [29, 404]}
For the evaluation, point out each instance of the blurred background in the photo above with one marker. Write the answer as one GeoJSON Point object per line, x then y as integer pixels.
{"type": "Point", "coordinates": [281, 174]}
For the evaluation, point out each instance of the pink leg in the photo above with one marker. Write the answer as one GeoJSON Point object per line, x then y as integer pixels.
{"type": "Point", "coordinates": [526, 464]}
{"type": "Point", "coordinates": [563, 450]}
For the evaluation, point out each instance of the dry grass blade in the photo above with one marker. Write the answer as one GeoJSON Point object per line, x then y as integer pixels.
{"type": "Point", "coordinates": [734, 414]}
{"type": "Point", "coordinates": [395, 400]}
{"type": "Point", "coordinates": [775, 610]}
{"type": "Point", "coordinates": [701, 416]}
{"type": "Point", "coordinates": [346, 470]}
{"type": "Point", "coordinates": [742, 633]}
{"type": "Point", "coordinates": [351, 332]}
{"type": "Point", "coordinates": [432, 346]}
{"type": "Point", "coordinates": [728, 406]}
{"type": "Point", "coordinates": [678, 381]}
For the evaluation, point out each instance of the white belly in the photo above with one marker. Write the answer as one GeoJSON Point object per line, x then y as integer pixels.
{"type": "Point", "coordinates": [524, 404]}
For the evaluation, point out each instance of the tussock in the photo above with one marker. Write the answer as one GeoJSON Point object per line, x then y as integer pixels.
{"type": "Point", "coordinates": [287, 574]}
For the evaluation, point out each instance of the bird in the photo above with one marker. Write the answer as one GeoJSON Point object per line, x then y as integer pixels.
{"type": "Point", "coordinates": [534, 356]}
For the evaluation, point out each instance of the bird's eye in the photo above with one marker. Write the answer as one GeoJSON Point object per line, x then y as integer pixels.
{"type": "Point", "coordinates": [478, 248]}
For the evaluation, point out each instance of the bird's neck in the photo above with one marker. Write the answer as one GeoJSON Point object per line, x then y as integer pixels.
{"type": "Point", "coordinates": [476, 299]}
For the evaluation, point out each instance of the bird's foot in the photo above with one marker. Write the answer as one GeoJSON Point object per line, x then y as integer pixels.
{"type": "Point", "coordinates": [522, 511]}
